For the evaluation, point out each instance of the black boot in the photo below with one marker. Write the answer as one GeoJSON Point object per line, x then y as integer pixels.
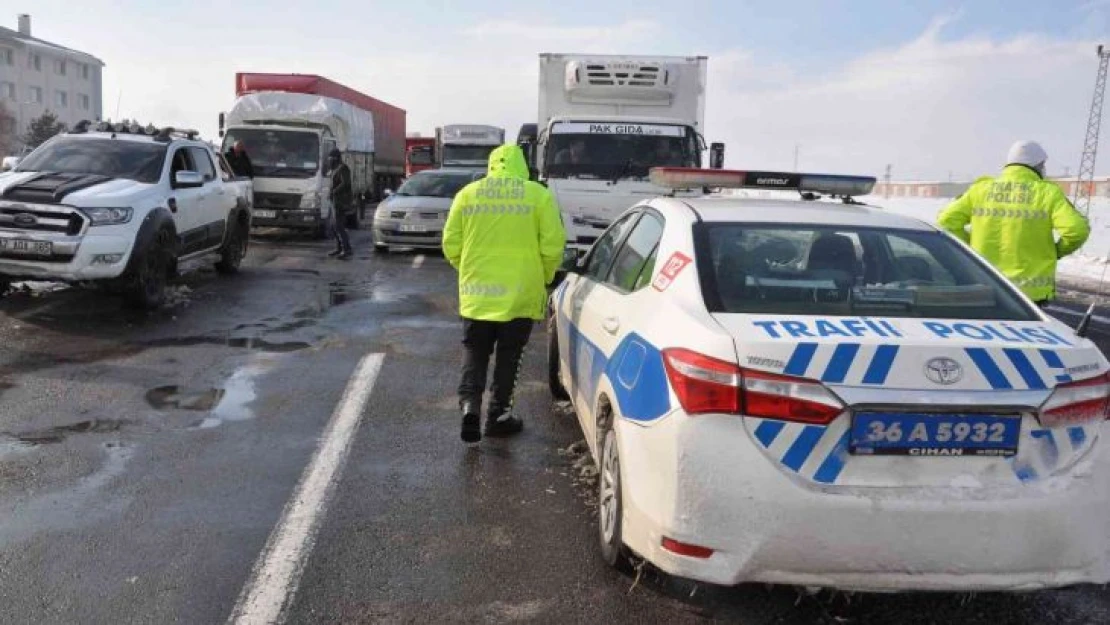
{"type": "Point", "coordinates": [502, 425]}
{"type": "Point", "coordinates": [335, 252]}
{"type": "Point", "coordinates": [471, 422]}
{"type": "Point", "coordinates": [346, 255]}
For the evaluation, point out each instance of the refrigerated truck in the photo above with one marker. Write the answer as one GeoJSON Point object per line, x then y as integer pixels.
{"type": "Point", "coordinates": [289, 123]}
{"type": "Point", "coordinates": [603, 122]}
{"type": "Point", "coordinates": [467, 145]}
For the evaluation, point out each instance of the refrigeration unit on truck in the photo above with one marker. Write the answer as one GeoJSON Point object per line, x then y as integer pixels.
{"type": "Point", "coordinates": [288, 124]}
{"type": "Point", "coordinates": [419, 154]}
{"type": "Point", "coordinates": [467, 145]}
{"type": "Point", "coordinates": [604, 121]}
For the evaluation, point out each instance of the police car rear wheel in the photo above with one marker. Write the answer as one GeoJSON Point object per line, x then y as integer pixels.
{"type": "Point", "coordinates": [610, 507]}
{"type": "Point", "coordinates": [558, 391]}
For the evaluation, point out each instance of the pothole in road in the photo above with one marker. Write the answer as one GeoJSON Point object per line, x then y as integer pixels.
{"type": "Point", "coordinates": [248, 342]}
{"type": "Point", "coordinates": [229, 403]}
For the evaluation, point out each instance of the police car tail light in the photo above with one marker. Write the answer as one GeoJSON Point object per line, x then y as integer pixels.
{"type": "Point", "coordinates": [1078, 402]}
{"type": "Point", "coordinates": [703, 384]}
{"type": "Point", "coordinates": [788, 399]}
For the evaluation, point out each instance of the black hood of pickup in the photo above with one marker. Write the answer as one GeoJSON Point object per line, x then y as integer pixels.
{"type": "Point", "coordinates": [51, 188]}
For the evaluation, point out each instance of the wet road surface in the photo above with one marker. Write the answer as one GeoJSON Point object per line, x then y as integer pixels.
{"type": "Point", "coordinates": [146, 459]}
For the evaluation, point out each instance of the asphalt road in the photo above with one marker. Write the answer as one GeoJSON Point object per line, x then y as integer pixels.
{"type": "Point", "coordinates": [152, 466]}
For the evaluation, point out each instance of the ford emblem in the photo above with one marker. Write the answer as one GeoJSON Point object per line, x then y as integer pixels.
{"type": "Point", "coordinates": [25, 219]}
{"type": "Point", "coordinates": [944, 371]}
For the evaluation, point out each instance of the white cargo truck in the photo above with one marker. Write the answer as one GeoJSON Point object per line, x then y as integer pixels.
{"type": "Point", "coordinates": [604, 121]}
{"type": "Point", "coordinates": [467, 145]}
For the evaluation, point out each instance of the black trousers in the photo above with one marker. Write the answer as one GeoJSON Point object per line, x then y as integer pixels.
{"type": "Point", "coordinates": [339, 230]}
{"type": "Point", "coordinates": [481, 339]}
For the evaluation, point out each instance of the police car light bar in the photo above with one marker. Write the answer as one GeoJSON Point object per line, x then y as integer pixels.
{"type": "Point", "coordinates": [694, 178]}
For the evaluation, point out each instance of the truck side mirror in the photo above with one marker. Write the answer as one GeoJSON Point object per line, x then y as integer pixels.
{"type": "Point", "coordinates": [717, 156]}
{"type": "Point", "coordinates": [222, 119]}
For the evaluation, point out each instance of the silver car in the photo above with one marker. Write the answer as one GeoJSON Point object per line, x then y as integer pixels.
{"type": "Point", "coordinates": [415, 214]}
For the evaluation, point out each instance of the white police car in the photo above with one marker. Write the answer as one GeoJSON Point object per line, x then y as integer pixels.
{"type": "Point", "coordinates": [825, 394]}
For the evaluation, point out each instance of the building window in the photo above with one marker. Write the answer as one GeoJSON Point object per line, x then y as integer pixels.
{"type": "Point", "coordinates": [83, 101]}
{"type": "Point", "coordinates": [34, 62]}
{"type": "Point", "coordinates": [34, 95]}
{"type": "Point", "coordinates": [7, 57]}
{"type": "Point", "coordinates": [85, 71]}
{"type": "Point", "coordinates": [60, 67]}
{"type": "Point", "coordinates": [61, 99]}
{"type": "Point", "coordinates": [7, 90]}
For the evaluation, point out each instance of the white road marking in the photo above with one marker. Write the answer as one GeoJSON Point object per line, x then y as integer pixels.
{"type": "Point", "coordinates": [273, 581]}
{"type": "Point", "coordinates": [418, 261]}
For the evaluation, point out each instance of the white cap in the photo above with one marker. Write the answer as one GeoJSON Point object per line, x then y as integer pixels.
{"type": "Point", "coordinates": [1029, 153]}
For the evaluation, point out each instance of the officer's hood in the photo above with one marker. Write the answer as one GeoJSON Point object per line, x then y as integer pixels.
{"type": "Point", "coordinates": [508, 160]}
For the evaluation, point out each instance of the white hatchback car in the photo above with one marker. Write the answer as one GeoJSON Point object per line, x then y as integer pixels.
{"type": "Point", "coordinates": [825, 394]}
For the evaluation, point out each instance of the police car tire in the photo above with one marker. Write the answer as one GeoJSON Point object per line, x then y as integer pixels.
{"type": "Point", "coordinates": [613, 550]}
{"type": "Point", "coordinates": [558, 391]}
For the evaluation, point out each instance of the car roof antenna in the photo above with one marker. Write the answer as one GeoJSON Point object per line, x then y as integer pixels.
{"type": "Point", "coordinates": [1085, 323]}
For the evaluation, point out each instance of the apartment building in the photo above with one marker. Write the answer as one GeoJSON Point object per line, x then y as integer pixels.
{"type": "Point", "coordinates": [38, 76]}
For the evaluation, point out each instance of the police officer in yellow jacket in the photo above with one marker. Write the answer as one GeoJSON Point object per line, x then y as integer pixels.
{"type": "Point", "coordinates": [1014, 218]}
{"type": "Point", "coordinates": [505, 237]}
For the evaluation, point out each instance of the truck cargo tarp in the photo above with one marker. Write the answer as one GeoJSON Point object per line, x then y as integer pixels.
{"type": "Point", "coordinates": [353, 127]}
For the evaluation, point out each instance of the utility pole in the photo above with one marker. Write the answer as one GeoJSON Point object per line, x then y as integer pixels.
{"type": "Point", "coordinates": [1085, 180]}
{"type": "Point", "coordinates": [886, 183]}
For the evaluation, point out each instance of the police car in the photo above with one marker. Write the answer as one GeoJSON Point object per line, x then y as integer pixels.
{"type": "Point", "coordinates": [824, 394]}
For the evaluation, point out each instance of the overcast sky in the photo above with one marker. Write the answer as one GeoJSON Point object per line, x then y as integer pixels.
{"type": "Point", "coordinates": [936, 89]}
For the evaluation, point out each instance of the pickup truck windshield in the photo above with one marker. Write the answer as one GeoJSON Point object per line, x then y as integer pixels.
{"type": "Point", "coordinates": [803, 269]}
{"type": "Point", "coordinates": [278, 153]}
{"type": "Point", "coordinates": [140, 161]}
{"type": "Point", "coordinates": [434, 185]}
{"type": "Point", "coordinates": [573, 150]}
{"type": "Point", "coordinates": [467, 153]}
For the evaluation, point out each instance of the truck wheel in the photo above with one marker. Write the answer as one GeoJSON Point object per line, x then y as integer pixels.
{"type": "Point", "coordinates": [5, 286]}
{"type": "Point", "coordinates": [233, 251]}
{"type": "Point", "coordinates": [558, 391]}
{"type": "Point", "coordinates": [148, 285]}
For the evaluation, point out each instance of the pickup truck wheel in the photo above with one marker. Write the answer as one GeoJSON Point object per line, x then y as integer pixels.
{"type": "Point", "coordinates": [233, 251]}
{"type": "Point", "coordinates": [5, 286]}
{"type": "Point", "coordinates": [148, 286]}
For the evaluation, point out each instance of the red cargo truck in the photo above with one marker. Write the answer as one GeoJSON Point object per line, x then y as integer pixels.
{"type": "Point", "coordinates": [419, 154]}
{"type": "Point", "coordinates": [289, 123]}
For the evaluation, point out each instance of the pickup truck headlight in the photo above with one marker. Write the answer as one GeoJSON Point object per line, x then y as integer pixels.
{"type": "Point", "coordinates": [108, 216]}
{"type": "Point", "coordinates": [310, 200]}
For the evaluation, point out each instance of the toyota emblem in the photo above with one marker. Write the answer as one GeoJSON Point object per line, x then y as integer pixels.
{"type": "Point", "coordinates": [944, 371]}
{"type": "Point", "coordinates": [25, 219]}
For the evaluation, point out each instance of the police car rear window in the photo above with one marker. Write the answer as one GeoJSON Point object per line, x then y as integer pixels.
{"type": "Point", "coordinates": [815, 270]}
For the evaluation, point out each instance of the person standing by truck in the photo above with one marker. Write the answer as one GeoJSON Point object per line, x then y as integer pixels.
{"type": "Point", "coordinates": [505, 237]}
{"type": "Point", "coordinates": [238, 160]}
{"type": "Point", "coordinates": [342, 198]}
{"type": "Point", "coordinates": [1013, 219]}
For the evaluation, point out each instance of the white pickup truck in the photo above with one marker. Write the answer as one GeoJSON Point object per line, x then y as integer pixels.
{"type": "Point", "coordinates": [121, 207]}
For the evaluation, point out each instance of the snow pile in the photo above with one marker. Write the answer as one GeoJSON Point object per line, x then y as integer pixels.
{"type": "Point", "coordinates": [583, 473]}
{"type": "Point", "coordinates": [177, 295]}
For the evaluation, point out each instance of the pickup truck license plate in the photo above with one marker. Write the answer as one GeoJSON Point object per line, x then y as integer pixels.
{"type": "Point", "coordinates": [265, 214]}
{"type": "Point", "coordinates": [30, 248]}
{"type": "Point", "coordinates": [413, 228]}
{"type": "Point", "coordinates": [934, 434]}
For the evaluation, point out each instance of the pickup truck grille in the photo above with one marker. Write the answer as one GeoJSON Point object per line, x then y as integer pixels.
{"type": "Point", "coordinates": [398, 214]}
{"type": "Point", "coordinates": [42, 219]}
{"type": "Point", "coordinates": [279, 201]}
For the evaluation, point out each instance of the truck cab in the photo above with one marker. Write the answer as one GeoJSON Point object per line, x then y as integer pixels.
{"type": "Point", "coordinates": [290, 172]}
{"type": "Point", "coordinates": [467, 145]}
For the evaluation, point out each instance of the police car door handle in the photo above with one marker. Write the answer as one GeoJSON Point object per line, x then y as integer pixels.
{"type": "Point", "coordinates": [611, 325]}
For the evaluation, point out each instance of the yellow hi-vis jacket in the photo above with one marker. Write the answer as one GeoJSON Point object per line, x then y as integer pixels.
{"type": "Point", "coordinates": [505, 236]}
{"type": "Point", "coordinates": [1013, 219]}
